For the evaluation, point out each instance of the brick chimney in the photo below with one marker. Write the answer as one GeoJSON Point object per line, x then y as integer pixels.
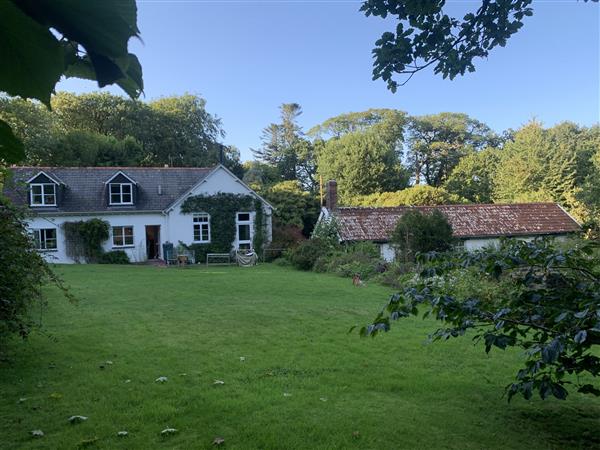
{"type": "Point", "coordinates": [331, 199]}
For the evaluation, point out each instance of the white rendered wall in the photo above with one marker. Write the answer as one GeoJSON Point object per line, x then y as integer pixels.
{"type": "Point", "coordinates": [387, 252]}
{"type": "Point", "coordinates": [136, 253]}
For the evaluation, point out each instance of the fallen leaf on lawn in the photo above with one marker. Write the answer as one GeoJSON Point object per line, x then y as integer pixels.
{"type": "Point", "coordinates": [108, 362]}
{"type": "Point", "coordinates": [323, 399]}
{"type": "Point", "coordinates": [161, 379]}
{"type": "Point", "coordinates": [287, 394]}
{"type": "Point", "coordinates": [55, 396]}
{"type": "Point", "coordinates": [168, 431]}
{"type": "Point", "coordinates": [218, 441]}
{"type": "Point", "coordinates": [183, 374]}
{"type": "Point", "coordinates": [242, 358]}
{"type": "Point", "coordinates": [77, 419]}
{"type": "Point", "coordinates": [127, 381]}
{"type": "Point", "coordinates": [122, 433]}
{"type": "Point", "coordinates": [355, 434]}
{"type": "Point", "coordinates": [22, 399]}
{"type": "Point", "coordinates": [219, 382]}
{"type": "Point", "coordinates": [37, 433]}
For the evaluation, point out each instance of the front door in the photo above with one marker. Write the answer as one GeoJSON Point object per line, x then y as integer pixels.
{"type": "Point", "coordinates": [153, 241]}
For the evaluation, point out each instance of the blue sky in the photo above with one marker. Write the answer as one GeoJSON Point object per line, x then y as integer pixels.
{"type": "Point", "coordinates": [248, 57]}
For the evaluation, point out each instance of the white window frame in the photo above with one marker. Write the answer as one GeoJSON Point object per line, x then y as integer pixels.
{"type": "Point", "coordinates": [200, 223]}
{"type": "Point", "coordinates": [122, 235]}
{"type": "Point", "coordinates": [43, 194]}
{"type": "Point", "coordinates": [40, 236]}
{"type": "Point", "coordinates": [120, 193]}
{"type": "Point", "coordinates": [239, 222]}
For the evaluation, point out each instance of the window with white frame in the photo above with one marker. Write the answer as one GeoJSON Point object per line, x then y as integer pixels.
{"type": "Point", "coordinates": [122, 236]}
{"type": "Point", "coordinates": [45, 238]}
{"type": "Point", "coordinates": [201, 227]}
{"type": "Point", "coordinates": [244, 230]}
{"type": "Point", "coordinates": [120, 193]}
{"type": "Point", "coordinates": [43, 194]}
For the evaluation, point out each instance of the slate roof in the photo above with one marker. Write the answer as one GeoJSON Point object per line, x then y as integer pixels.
{"type": "Point", "coordinates": [468, 221]}
{"type": "Point", "coordinates": [85, 189]}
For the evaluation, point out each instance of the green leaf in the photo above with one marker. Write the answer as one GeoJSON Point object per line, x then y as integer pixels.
{"type": "Point", "coordinates": [11, 148]}
{"type": "Point", "coordinates": [32, 58]}
{"type": "Point", "coordinates": [102, 27]}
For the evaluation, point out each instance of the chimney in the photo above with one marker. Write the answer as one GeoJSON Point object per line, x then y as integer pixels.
{"type": "Point", "coordinates": [331, 199]}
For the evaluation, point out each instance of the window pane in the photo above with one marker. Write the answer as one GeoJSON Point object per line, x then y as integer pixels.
{"type": "Point", "coordinates": [243, 217]}
{"type": "Point", "coordinates": [126, 188]}
{"type": "Point", "coordinates": [205, 232]}
{"type": "Point", "coordinates": [118, 239]}
{"type": "Point", "coordinates": [128, 231]}
{"type": "Point", "coordinates": [197, 236]}
{"type": "Point", "coordinates": [244, 246]}
{"type": "Point", "coordinates": [49, 199]}
{"type": "Point", "coordinates": [37, 239]}
{"type": "Point", "coordinates": [115, 189]}
{"type": "Point", "coordinates": [115, 198]}
{"type": "Point", "coordinates": [128, 240]}
{"type": "Point", "coordinates": [243, 232]}
{"type": "Point", "coordinates": [36, 190]}
{"type": "Point", "coordinates": [126, 198]}
{"type": "Point", "coordinates": [36, 199]}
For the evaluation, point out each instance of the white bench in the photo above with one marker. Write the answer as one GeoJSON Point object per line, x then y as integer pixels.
{"type": "Point", "coordinates": [219, 257]}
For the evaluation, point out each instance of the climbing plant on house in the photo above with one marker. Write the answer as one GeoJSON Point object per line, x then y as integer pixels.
{"type": "Point", "coordinates": [222, 209]}
{"type": "Point", "coordinates": [84, 239]}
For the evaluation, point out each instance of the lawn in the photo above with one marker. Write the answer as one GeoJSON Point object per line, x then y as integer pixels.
{"type": "Point", "coordinates": [293, 376]}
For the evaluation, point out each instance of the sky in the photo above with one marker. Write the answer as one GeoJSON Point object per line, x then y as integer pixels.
{"type": "Point", "coordinates": [248, 57]}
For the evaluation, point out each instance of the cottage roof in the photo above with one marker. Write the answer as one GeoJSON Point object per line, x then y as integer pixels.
{"type": "Point", "coordinates": [467, 221]}
{"type": "Point", "coordinates": [85, 188]}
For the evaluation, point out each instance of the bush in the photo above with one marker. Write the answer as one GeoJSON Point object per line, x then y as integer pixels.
{"type": "Point", "coordinates": [114, 257]}
{"type": "Point", "coordinates": [284, 237]}
{"type": "Point", "coordinates": [418, 232]}
{"type": "Point", "coordinates": [305, 255]}
{"type": "Point", "coordinates": [361, 258]}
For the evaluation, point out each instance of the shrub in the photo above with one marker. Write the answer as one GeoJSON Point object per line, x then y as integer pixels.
{"type": "Point", "coordinates": [114, 257]}
{"type": "Point", "coordinates": [284, 237]}
{"type": "Point", "coordinates": [418, 232]}
{"type": "Point", "coordinates": [305, 255]}
{"type": "Point", "coordinates": [327, 231]}
{"type": "Point", "coordinates": [361, 258]}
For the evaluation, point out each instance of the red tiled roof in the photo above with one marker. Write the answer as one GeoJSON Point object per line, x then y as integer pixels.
{"type": "Point", "coordinates": [468, 221]}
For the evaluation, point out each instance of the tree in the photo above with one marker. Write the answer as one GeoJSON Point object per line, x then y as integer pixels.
{"type": "Point", "coordinates": [177, 131]}
{"type": "Point", "coordinates": [43, 40]}
{"type": "Point", "coordinates": [418, 232]}
{"type": "Point", "coordinates": [426, 36]}
{"type": "Point", "coordinates": [472, 178]}
{"type": "Point", "coordinates": [536, 167]}
{"type": "Point", "coordinates": [285, 147]}
{"type": "Point", "coordinates": [541, 298]}
{"type": "Point", "coordinates": [417, 195]}
{"type": "Point", "coordinates": [363, 154]}
{"type": "Point", "coordinates": [437, 142]}
{"type": "Point", "coordinates": [293, 206]}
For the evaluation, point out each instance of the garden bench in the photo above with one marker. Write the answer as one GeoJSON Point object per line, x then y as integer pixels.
{"type": "Point", "coordinates": [219, 257]}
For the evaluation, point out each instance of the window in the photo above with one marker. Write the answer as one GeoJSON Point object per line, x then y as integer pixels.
{"type": "Point", "coordinates": [43, 194]}
{"type": "Point", "coordinates": [201, 227]}
{"type": "Point", "coordinates": [121, 193]}
{"type": "Point", "coordinates": [122, 236]}
{"type": "Point", "coordinates": [45, 238]}
{"type": "Point", "coordinates": [244, 231]}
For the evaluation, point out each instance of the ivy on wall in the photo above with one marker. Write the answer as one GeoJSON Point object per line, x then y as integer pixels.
{"type": "Point", "coordinates": [84, 239]}
{"type": "Point", "coordinates": [222, 209]}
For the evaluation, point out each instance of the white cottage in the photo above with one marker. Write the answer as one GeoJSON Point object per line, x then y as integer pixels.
{"type": "Point", "coordinates": [475, 225]}
{"type": "Point", "coordinates": [141, 204]}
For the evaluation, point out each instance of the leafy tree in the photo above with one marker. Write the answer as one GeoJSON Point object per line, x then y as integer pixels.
{"type": "Point", "coordinates": [427, 36]}
{"type": "Point", "coordinates": [542, 165]}
{"type": "Point", "coordinates": [40, 41]}
{"type": "Point", "coordinates": [420, 194]}
{"type": "Point", "coordinates": [418, 232]}
{"type": "Point", "coordinates": [472, 178]}
{"type": "Point", "coordinates": [543, 299]}
{"type": "Point", "coordinates": [259, 175]}
{"type": "Point", "coordinates": [293, 206]}
{"type": "Point", "coordinates": [437, 142]}
{"type": "Point", "coordinates": [285, 147]}
{"type": "Point", "coordinates": [365, 158]}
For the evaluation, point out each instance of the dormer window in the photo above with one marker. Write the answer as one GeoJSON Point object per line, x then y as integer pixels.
{"type": "Point", "coordinates": [43, 190]}
{"type": "Point", "coordinates": [121, 189]}
{"type": "Point", "coordinates": [121, 193]}
{"type": "Point", "coordinates": [43, 194]}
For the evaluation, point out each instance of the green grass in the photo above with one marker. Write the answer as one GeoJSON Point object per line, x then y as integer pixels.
{"type": "Point", "coordinates": [193, 325]}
